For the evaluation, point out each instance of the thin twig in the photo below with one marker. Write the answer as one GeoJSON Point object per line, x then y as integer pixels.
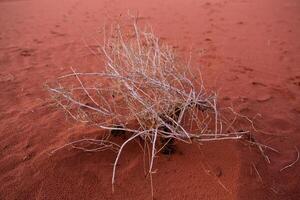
{"type": "Point", "coordinates": [293, 163]}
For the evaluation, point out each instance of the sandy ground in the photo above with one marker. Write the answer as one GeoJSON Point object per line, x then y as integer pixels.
{"type": "Point", "coordinates": [248, 50]}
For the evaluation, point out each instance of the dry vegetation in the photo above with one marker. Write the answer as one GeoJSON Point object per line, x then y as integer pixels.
{"type": "Point", "coordinates": [146, 92]}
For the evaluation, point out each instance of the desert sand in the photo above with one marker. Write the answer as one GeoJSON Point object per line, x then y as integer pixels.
{"type": "Point", "coordinates": [248, 51]}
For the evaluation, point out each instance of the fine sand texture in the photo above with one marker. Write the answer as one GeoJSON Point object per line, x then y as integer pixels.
{"type": "Point", "coordinates": [248, 51]}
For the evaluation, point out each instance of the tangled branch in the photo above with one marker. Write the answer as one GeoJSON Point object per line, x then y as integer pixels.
{"type": "Point", "coordinates": [145, 91]}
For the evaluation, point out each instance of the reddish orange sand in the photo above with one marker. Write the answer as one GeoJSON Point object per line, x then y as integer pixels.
{"type": "Point", "coordinates": [250, 52]}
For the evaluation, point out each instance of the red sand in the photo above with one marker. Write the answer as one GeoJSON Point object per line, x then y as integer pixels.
{"type": "Point", "coordinates": [251, 54]}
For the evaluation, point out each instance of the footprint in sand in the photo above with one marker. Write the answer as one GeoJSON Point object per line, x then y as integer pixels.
{"type": "Point", "coordinates": [207, 4]}
{"type": "Point", "coordinates": [295, 80]}
{"type": "Point", "coordinates": [257, 83]}
{"type": "Point", "coordinates": [6, 77]}
{"type": "Point", "coordinates": [296, 110]}
{"type": "Point", "coordinates": [285, 55]}
{"type": "Point", "coordinates": [247, 69]}
{"type": "Point", "coordinates": [37, 41]}
{"type": "Point", "coordinates": [232, 78]}
{"type": "Point", "coordinates": [57, 33]}
{"type": "Point", "coordinates": [242, 69]}
{"type": "Point", "coordinates": [26, 52]}
{"type": "Point", "coordinates": [263, 97]}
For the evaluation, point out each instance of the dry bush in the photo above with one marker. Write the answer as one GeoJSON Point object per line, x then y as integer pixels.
{"type": "Point", "coordinates": [147, 92]}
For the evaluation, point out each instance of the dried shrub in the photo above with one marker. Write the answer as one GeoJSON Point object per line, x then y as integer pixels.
{"type": "Point", "coordinates": [146, 91]}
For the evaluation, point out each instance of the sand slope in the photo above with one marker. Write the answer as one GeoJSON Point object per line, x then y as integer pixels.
{"type": "Point", "coordinates": [249, 51]}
